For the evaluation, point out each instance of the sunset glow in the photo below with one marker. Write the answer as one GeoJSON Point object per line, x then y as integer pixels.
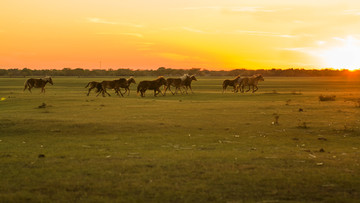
{"type": "Point", "coordinates": [211, 34]}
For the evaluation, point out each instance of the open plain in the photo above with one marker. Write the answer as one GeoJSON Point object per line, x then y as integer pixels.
{"type": "Point", "coordinates": [280, 144]}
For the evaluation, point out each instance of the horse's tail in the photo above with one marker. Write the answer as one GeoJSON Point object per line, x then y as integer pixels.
{"type": "Point", "coordinates": [26, 84]}
{"type": "Point", "coordinates": [138, 89]}
{"type": "Point", "coordinates": [225, 83]}
{"type": "Point", "coordinates": [87, 85]}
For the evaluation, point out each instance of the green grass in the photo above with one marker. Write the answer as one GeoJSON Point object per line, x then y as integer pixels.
{"type": "Point", "coordinates": [202, 147]}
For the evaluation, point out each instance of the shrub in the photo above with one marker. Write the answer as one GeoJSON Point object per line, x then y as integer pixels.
{"type": "Point", "coordinates": [327, 98]}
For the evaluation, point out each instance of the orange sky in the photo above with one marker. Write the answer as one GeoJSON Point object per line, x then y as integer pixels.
{"type": "Point", "coordinates": [211, 34]}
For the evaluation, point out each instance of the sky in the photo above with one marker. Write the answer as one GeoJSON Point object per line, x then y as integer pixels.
{"type": "Point", "coordinates": [208, 34]}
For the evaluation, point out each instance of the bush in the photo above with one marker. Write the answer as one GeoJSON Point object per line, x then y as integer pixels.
{"type": "Point", "coordinates": [327, 98]}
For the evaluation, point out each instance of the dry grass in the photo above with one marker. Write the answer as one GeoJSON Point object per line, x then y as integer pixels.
{"type": "Point", "coordinates": [209, 147]}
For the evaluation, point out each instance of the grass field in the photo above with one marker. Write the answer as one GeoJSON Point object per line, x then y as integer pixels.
{"type": "Point", "coordinates": [201, 147]}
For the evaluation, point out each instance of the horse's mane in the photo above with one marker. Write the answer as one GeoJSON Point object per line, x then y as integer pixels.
{"type": "Point", "coordinates": [46, 78]}
{"type": "Point", "coordinates": [184, 77]}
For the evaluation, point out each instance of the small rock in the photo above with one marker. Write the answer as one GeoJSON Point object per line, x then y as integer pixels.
{"type": "Point", "coordinates": [321, 150]}
{"type": "Point", "coordinates": [301, 110]}
{"type": "Point", "coordinates": [41, 156]}
{"type": "Point", "coordinates": [322, 138]}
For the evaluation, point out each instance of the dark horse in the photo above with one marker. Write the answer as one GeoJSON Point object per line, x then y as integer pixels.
{"type": "Point", "coordinates": [127, 85]}
{"type": "Point", "coordinates": [234, 82]}
{"type": "Point", "coordinates": [251, 82]}
{"type": "Point", "coordinates": [151, 85]}
{"type": "Point", "coordinates": [114, 84]}
{"type": "Point", "coordinates": [187, 82]}
{"type": "Point", "coordinates": [37, 83]}
{"type": "Point", "coordinates": [176, 82]}
{"type": "Point", "coordinates": [93, 85]}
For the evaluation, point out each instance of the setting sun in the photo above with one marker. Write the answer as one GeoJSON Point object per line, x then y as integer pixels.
{"type": "Point", "coordinates": [343, 57]}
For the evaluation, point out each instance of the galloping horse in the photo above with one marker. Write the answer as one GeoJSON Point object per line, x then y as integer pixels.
{"type": "Point", "coordinates": [114, 84]}
{"type": "Point", "coordinates": [37, 83]}
{"type": "Point", "coordinates": [187, 83]}
{"type": "Point", "coordinates": [251, 82]}
{"type": "Point", "coordinates": [234, 82]}
{"type": "Point", "coordinates": [127, 85]}
{"type": "Point", "coordinates": [151, 85]}
{"type": "Point", "coordinates": [176, 82]}
{"type": "Point", "coordinates": [93, 85]}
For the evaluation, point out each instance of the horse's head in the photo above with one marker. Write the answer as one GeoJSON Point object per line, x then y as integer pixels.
{"type": "Point", "coordinates": [48, 79]}
{"type": "Point", "coordinates": [193, 78]}
{"type": "Point", "coordinates": [161, 80]}
{"type": "Point", "coordinates": [131, 80]}
{"type": "Point", "coordinates": [260, 77]}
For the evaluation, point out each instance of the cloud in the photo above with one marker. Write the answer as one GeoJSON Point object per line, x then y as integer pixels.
{"type": "Point", "coordinates": [102, 21]}
{"type": "Point", "coordinates": [248, 9]}
{"type": "Point", "coordinates": [202, 8]}
{"type": "Point", "coordinates": [266, 34]}
{"type": "Point", "coordinates": [354, 12]}
{"type": "Point", "coordinates": [127, 34]}
{"type": "Point", "coordinates": [193, 30]}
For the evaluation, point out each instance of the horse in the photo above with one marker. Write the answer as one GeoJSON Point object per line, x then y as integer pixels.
{"type": "Point", "coordinates": [127, 85]}
{"type": "Point", "coordinates": [114, 84]}
{"type": "Point", "coordinates": [187, 83]}
{"type": "Point", "coordinates": [151, 85]}
{"type": "Point", "coordinates": [93, 85]}
{"type": "Point", "coordinates": [234, 82]}
{"type": "Point", "coordinates": [176, 82]}
{"type": "Point", "coordinates": [251, 82]}
{"type": "Point", "coordinates": [37, 83]}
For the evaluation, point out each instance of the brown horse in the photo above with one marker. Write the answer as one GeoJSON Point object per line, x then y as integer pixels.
{"type": "Point", "coordinates": [232, 83]}
{"type": "Point", "coordinates": [187, 83]}
{"type": "Point", "coordinates": [93, 85]}
{"type": "Point", "coordinates": [114, 84]}
{"type": "Point", "coordinates": [176, 82]}
{"type": "Point", "coordinates": [251, 82]}
{"type": "Point", "coordinates": [37, 83]}
{"type": "Point", "coordinates": [127, 85]}
{"type": "Point", "coordinates": [151, 85]}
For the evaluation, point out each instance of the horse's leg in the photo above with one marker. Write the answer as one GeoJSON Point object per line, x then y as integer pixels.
{"type": "Point", "coordinates": [119, 89]}
{"type": "Point", "coordinates": [155, 92]}
{"type": "Point", "coordinates": [235, 89]}
{"type": "Point", "coordinates": [224, 88]}
{"type": "Point", "coordinates": [248, 89]}
{"type": "Point", "coordinates": [254, 90]}
{"type": "Point", "coordinates": [89, 91]}
{"type": "Point", "coordinates": [142, 93]}
{"type": "Point", "coordinates": [101, 91]}
{"type": "Point", "coordinates": [172, 91]}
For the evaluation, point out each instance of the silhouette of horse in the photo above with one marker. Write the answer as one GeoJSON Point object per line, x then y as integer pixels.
{"type": "Point", "coordinates": [234, 82]}
{"type": "Point", "coordinates": [93, 85]}
{"type": "Point", "coordinates": [37, 83]}
{"type": "Point", "coordinates": [114, 84]}
{"type": "Point", "coordinates": [176, 82]}
{"type": "Point", "coordinates": [251, 82]}
{"type": "Point", "coordinates": [187, 83]}
{"type": "Point", "coordinates": [151, 85]}
{"type": "Point", "coordinates": [127, 85]}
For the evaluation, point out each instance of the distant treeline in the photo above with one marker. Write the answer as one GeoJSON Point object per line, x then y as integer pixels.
{"type": "Point", "coordinates": [79, 72]}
